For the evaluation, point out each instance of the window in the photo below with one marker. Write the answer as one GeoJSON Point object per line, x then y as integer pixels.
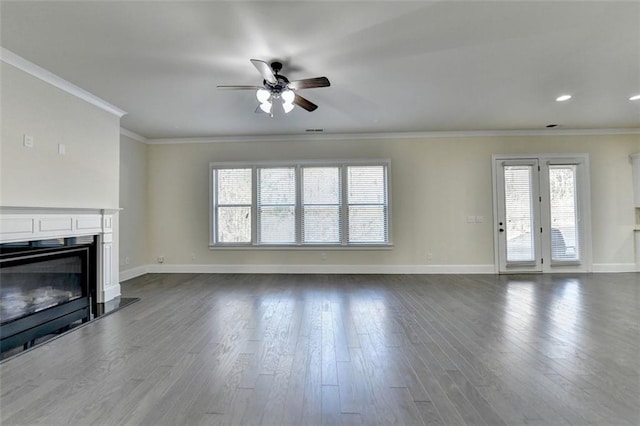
{"type": "Point", "coordinates": [277, 205]}
{"type": "Point", "coordinates": [233, 205]}
{"type": "Point", "coordinates": [321, 205]}
{"type": "Point", "coordinates": [301, 204]}
{"type": "Point", "coordinates": [367, 204]}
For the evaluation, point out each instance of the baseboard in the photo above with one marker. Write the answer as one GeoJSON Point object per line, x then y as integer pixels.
{"type": "Point", "coordinates": [339, 269]}
{"type": "Point", "coordinates": [110, 293]}
{"type": "Point", "coordinates": [133, 272]}
{"type": "Point", "coordinates": [321, 269]}
{"type": "Point", "coordinates": [614, 267]}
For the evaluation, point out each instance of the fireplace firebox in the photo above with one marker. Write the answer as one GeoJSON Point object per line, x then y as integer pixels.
{"type": "Point", "coordinates": [45, 286]}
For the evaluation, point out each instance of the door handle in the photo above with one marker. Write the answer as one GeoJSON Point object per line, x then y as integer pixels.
{"type": "Point", "coordinates": [501, 230]}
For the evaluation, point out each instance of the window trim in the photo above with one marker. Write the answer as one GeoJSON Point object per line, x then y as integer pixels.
{"type": "Point", "coordinates": [299, 244]}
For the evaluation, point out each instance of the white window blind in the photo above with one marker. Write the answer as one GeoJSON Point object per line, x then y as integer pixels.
{"type": "Point", "coordinates": [367, 204]}
{"type": "Point", "coordinates": [519, 213]}
{"type": "Point", "coordinates": [564, 213]}
{"type": "Point", "coordinates": [299, 204]}
{"type": "Point", "coordinates": [233, 205]}
{"type": "Point", "coordinates": [321, 199]}
{"type": "Point", "coordinates": [276, 205]}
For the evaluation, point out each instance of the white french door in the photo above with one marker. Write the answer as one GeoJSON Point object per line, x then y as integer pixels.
{"type": "Point", "coordinates": [541, 212]}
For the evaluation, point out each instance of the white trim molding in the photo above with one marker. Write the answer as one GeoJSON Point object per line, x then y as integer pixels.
{"type": "Point", "coordinates": [319, 269]}
{"type": "Point", "coordinates": [22, 64]}
{"type": "Point", "coordinates": [392, 136]}
{"type": "Point", "coordinates": [131, 273]}
{"type": "Point", "coordinates": [132, 135]}
{"type": "Point", "coordinates": [342, 269]}
{"type": "Point", "coordinates": [613, 267]}
{"type": "Point", "coordinates": [110, 293]}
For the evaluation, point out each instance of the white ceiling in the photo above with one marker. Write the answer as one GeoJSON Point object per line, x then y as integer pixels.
{"type": "Point", "coordinates": [394, 66]}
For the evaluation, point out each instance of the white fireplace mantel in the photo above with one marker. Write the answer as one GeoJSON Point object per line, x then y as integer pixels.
{"type": "Point", "coordinates": [19, 224]}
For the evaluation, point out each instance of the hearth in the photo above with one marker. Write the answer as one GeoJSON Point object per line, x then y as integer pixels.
{"type": "Point", "coordinates": [46, 285]}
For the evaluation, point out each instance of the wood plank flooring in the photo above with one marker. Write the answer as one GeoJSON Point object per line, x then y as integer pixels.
{"type": "Point", "coordinates": [343, 349]}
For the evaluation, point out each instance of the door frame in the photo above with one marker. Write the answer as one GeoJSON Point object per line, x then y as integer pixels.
{"type": "Point", "coordinates": [584, 207]}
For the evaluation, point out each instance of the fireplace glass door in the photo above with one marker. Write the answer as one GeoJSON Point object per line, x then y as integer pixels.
{"type": "Point", "coordinates": [32, 287]}
{"type": "Point", "coordinates": [44, 289]}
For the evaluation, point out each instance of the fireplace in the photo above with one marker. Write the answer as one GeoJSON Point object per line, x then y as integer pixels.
{"type": "Point", "coordinates": [46, 286]}
{"type": "Point", "coordinates": [57, 267]}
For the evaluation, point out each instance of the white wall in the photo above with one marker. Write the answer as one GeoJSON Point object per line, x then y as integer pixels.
{"type": "Point", "coordinates": [86, 176]}
{"type": "Point", "coordinates": [133, 202]}
{"type": "Point", "coordinates": [436, 184]}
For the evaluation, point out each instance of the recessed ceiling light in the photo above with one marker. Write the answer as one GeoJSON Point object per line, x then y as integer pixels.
{"type": "Point", "coordinates": [563, 98]}
{"type": "Point", "coordinates": [635, 98]}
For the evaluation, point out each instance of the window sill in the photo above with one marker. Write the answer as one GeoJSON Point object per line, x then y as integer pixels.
{"type": "Point", "coordinates": [303, 248]}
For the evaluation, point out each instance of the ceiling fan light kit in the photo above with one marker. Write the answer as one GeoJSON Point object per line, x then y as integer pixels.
{"type": "Point", "coordinates": [263, 95]}
{"type": "Point", "coordinates": [276, 86]}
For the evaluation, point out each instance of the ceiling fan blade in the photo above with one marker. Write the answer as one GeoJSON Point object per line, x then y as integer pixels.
{"type": "Point", "coordinates": [239, 87]}
{"type": "Point", "coordinates": [304, 103]}
{"type": "Point", "coordinates": [265, 70]}
{"type": "Point", "coordinates": [309, 83]}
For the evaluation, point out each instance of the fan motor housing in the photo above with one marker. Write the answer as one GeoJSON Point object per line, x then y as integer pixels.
{"type": "Point", "coordinates": [279, 87]}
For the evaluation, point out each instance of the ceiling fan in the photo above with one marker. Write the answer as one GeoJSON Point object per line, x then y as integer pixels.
{"type": "Point", "coordinates": [276, 86]}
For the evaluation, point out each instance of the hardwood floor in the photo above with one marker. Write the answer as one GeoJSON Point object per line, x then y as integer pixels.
{"type": "Point", "coordinates": [344, 349]}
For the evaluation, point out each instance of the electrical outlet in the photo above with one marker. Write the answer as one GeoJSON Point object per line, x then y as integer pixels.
{"type": "Point", "coordinates": [323, 256]}
{"type": "Point", "coordinates": [127, 260]}
{"type": "Point", "coordinates": [160, 259]}
{"type": "Point", "coordinates": [429, 256]}
{"type": "Point", "coordinates": [62, 149]}
{"type": "Point", "coordinates": [27, 141]}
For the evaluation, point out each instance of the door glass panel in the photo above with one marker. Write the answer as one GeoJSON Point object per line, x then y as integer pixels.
{"type": "Point", "coordinates": [519, 213]}
{"type": "Point", "coordinates": [563, 210]}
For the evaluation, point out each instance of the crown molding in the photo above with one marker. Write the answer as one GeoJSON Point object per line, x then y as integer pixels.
{"type": "Point", "coordinates": [22, 64]}
{"type": "Point", "coordinates": [396, 135]}
{"type": "Point", "coordinates": [133, 135]}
